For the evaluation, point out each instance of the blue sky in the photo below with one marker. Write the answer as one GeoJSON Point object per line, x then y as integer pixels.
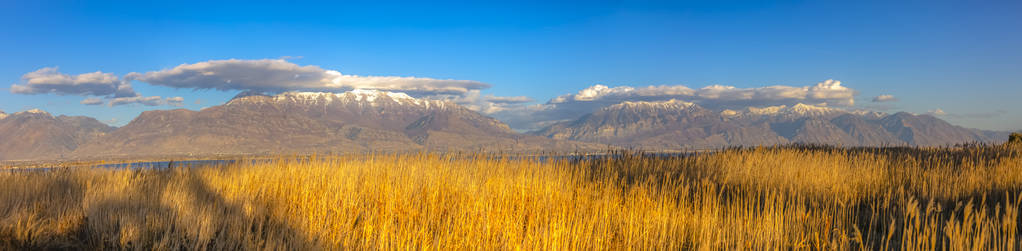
{"type": "Point", "coordinates": [960, 57]}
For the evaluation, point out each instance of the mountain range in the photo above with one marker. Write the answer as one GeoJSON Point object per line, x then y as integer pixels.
{"type": "Point", "coordinates": [302, 122]}
{"type": "Point", "coordinates": [677, 124]}
{"type": "Point", "coordinates": [378, 121]}
{"type": "Point", "coordinates": [35, 134]}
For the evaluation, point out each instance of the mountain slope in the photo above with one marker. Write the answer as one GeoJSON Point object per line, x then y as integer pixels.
{"type": "Point", "coordinates": [865, 131]}
{"type": "Point", "coordinates": [302, 122]}
{"type": "Point", "coordinates": [928, 130]}
{"type": "Point", "coordinates": [813, 130]}
{"type": "Point", "coordinates": [36, 134]}
{"type": "Point", "coordinates": [678, 125]}
{"type": "Point", "coordinates": [660, 125]}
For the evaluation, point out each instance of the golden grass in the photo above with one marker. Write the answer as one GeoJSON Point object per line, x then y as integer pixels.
{"type": "Point", "coordinates": [766, 198]}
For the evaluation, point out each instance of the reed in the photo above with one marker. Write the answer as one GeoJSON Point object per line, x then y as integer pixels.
{"type": "Point", "coordinates": [792, 197]}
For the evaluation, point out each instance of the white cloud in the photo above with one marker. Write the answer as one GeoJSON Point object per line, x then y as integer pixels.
{"type": "Point", "coordinates": [488, 104]}
{"type": "Point", "coordinates": [884, 98]}
{"type": "Point", "coordinates": [147, 101]}
{"type": "Point", "coordinates": [92, 101]}
{"type": "Point", "coordinates": [832, 90]}
{"type": "Point", "coordinates": [508, 100]}
{"type": "Point", "coordinates": [175, 101]}
{"type": "Point", "coordinates": [572, 106]}
{"type": "Point", "coordinates": [275, 75]}
{"type": "Point", "coordinates": [265, 75]}
{"type": "Point", "coordinates": [937, 112]}
{"type": "Point", "coordinates": [598, 92]}
{"type": "Point", "coordinates": [49, 80]}
{"type": "Point", "coordinates": [829, 91]}
{"type": "Point", "coordinates": [537, 116]}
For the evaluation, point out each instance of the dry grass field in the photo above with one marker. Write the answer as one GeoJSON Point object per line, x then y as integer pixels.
{"type": "Point", "coordinates": [795, 197]}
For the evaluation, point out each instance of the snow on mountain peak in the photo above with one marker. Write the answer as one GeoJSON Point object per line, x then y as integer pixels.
{"type": "Point", "coordinates": [804, 109]}
{"type": "Point", "coordinates": [729, 113]}
{"type": "Point", "coordinates": [359, 97]}
{"type": "Point", "coordinates": [372, 95]}
{"type": "Point", "coordinates": [799, 109]}
{"type": "Point", "coordinates": [769, 110]}
{"type": "Point", "coordinates": [33, 111]}
{"type": "Point", "coordinates": [672, 104]}
{"type": "Point", "coordinates": [869, 114]}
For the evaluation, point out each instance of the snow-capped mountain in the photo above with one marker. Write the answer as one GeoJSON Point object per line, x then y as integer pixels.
{"type": "Point", "coordinates": [677, 124]}
{"type": "Point", "coordinates": [657, 125]}
{"type": "Point", "coordinates": [801, 109]}
{"type": "Point", "coordinates": [794, 111]}
{"type": "Point", "coordinates": [354, 121]}
{"type": "Point", "coordinates": [764, 111]}
{"type": "Point", "coordinates": [368, 120]}
{"type": "Point", "coordinates": [361, 98]}
{"type": "Point", "coordinates": [869, 114]}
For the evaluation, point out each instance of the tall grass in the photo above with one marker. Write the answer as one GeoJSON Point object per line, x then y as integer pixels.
{"type": "Point", "coordinates": [964, 198]}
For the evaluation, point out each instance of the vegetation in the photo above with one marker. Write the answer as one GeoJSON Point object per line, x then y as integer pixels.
{"type": "Point", "coordinates": [1015, 138]}
{"type": "Point", "coordinates": [796, 197]}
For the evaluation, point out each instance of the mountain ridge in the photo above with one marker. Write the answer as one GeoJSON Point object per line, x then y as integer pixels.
{"type": "Point", "coordinates": [35, 134]}
{"type": "Point", "coordinates": [354, 121]}
{"type": "Point", "coordinates": [648, 125]}
{"type": "Point", "coordinates": [361, 121]}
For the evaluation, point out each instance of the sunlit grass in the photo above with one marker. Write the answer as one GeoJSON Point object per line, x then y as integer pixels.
{"type": "Point", "coordinates": [767, 198]}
